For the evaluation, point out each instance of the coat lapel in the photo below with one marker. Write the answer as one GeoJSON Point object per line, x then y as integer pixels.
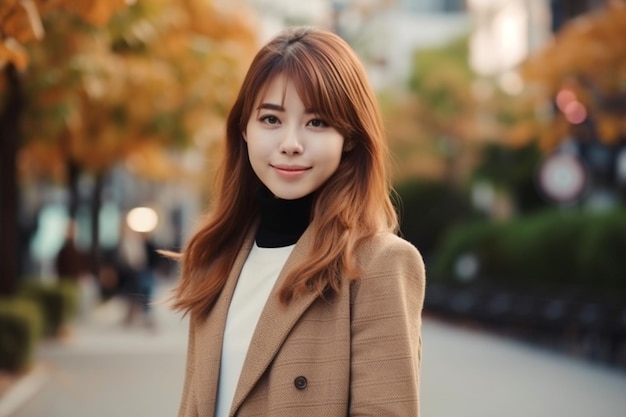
{"type": "Point", "coordinates": [210, 335]}
{"type": "Point", "coordinates": [274, 325]}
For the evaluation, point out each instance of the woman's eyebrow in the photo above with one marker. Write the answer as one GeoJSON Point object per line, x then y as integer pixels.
{"type": "Point", "coordinates": [278, 107]}
{"type": "Point", "coordinates": [270, 106]}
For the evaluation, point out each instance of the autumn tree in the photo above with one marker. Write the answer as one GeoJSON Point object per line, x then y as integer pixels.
{"type": "Point", "coordinates": [158, 74]}
{"type": "Point", "coordinates": [20, 23]}
{"type": "Point", "coordinates": [432, 127]}
{"type": "Point", "coordinates": [578, 81]}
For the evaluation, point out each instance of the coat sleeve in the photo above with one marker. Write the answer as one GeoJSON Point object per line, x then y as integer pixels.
{"type": "Point", "coordinates": [187, 406]}
{"type": "Point", "coordinates": [386, 332]}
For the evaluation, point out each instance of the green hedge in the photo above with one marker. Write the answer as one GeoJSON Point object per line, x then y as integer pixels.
{"type": "Point", "coordinates": [21, 326]}
{"type": "Point", "coordinates": [58, 301]}
{"type": "Point", "coordinates": [573, 249]}
{"type": "Point", "coordinates": [428, 209]}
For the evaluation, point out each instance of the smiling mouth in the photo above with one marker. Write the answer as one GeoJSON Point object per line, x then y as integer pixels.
{"type": "Point", "coordinates": [290, 171]}
{"type": "Point", "coordinates": [290, 168]}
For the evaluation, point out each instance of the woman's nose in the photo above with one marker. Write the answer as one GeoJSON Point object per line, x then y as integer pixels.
{"type": "Point", "coordinates": [291, 143]}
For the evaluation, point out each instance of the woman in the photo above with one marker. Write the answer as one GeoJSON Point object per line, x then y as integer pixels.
{"type": "Point", "coordinates": [302, 299]}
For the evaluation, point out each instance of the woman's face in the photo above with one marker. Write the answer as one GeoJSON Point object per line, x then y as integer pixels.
{"type": "Point", "coordinates": [291, 150]}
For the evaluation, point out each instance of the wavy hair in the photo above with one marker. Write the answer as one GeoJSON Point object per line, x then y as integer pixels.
{"type": "Point", "coordinates": [352, 205]}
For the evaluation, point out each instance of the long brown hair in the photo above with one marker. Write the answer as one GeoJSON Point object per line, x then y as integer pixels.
{"type": "Point", "coordinates": [353, 205]}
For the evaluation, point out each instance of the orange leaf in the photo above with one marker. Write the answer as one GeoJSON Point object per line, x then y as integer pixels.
{"type": "Point", "coordinates": [11, 51]}
{"type": "Point", "coordinates": [23, 23]}
{"type": "Point", "coordinates": [6, 8]}
{"type": "Point", "coordinates": [101, 11]}
{"type": "Point", "coordinates": [608, 129]}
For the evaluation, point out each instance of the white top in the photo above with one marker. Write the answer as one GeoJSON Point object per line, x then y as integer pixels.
{"type": "Point", "coordinates": [255, 283]}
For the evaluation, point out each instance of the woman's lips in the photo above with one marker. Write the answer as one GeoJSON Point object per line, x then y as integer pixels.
{"type": "Point", "coordinates": [290, 171]}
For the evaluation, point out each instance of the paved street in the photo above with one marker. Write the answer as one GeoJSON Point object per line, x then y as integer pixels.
{"type": "Point", "coordinates": [105, 369]}
{"type": "Point", "coordinates": [467, 373]}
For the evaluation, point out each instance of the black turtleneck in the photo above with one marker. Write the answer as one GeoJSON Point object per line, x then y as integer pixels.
{"type": "Point", "coordinates": [282, 221]}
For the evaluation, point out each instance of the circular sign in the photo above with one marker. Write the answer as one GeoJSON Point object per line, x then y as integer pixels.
{"type": "Point", "coordinates": [562, 177]}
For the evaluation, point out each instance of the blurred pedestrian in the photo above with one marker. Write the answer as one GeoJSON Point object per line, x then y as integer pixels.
{"type": "Point", "coordinates": [303, 301]}
{"type": "Point", "coordinates": [71, 263]}
{"type": "Point", "coordinates": [72, 267]}
{"type": "Point", "coordinates": [136, 254]}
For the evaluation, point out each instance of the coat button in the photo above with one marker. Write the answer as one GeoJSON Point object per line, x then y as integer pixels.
{"type": "Point", "coordinates": [300, 382]}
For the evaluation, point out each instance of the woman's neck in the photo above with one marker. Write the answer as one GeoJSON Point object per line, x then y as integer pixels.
{"type": "Point", "coordinates": [282, 221]}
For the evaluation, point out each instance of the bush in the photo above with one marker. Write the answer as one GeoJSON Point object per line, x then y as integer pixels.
{"type": "Point", "coordinates": [58, 302]}
{"type": "Point", "coordinates": [463, 241]}
{"type": "Point", "coordinates": [428, 209]}
{"type": "Point", "coordinates": [20, 328]}
{"type": "Point", "coordinates": [572, 250]}
{"type": "Point", "coordinates": [514, 170]}
{"type": "Point", "coordinates": [602, 259]}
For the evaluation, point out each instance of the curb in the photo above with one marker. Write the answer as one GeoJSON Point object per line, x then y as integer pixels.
{"type": "Point", "coordinates": [24, 389]}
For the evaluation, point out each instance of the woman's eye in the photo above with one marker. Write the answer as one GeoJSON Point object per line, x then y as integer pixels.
{"type": "Point", "coordinates": [269, 119]}
{"type": "Point", "coordinates": [317, 123]}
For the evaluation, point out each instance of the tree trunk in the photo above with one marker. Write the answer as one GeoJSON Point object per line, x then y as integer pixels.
{"type": "Point", "coordinates": [9, 220]}
{"type": "Point", "coordinates": [96, 204]}
{"type": "Point", "coordinates": [73, 173]}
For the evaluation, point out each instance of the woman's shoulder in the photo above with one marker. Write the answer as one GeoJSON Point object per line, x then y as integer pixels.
{"type": "Point", "coordinates": [388, 248]}
{"type": "Point", "coordinates": [387, 241]}
{"type": "Point", "coordinates": [389, 264]}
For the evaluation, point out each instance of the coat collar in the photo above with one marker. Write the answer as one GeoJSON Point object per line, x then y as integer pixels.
{"type": "Point", "coordinates": [274, 325]}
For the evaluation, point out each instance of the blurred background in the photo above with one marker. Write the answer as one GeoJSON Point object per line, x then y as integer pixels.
{"type": "Point", "coordinates": [506, 119]}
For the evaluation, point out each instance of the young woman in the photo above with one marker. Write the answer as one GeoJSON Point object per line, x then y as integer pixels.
{"type": "Point", "coordinates": [302, 299]}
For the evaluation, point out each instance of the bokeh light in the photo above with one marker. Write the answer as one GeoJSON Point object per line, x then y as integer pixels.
{"type": "Point", "coordinates": [142, 219]}
{"type": "Point", "coordinates": [564, 98]}
{"type": "Point", "coordinates": [575, 112]}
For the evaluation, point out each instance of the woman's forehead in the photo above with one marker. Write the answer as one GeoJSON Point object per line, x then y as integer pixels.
{"type": "Point", "coordinates": [280, 84]}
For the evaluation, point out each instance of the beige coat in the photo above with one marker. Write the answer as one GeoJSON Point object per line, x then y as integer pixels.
{"type": "Point", "coordinates": [357, 354]}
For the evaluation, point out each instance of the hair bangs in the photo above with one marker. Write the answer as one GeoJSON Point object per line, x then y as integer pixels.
{"type": "Point", "coordinates": [315, 78]}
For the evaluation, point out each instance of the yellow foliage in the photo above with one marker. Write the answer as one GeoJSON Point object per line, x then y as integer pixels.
{"type": "Point", "coordinates": [41, 159]}
{"type": "Point", "coordinates": [419, 165]}
{"type": "Point", "coordinates": [158, 76]}
{"type": "Point", "coordinates": [609, 129]}
{"type": "Point", "coordinates": [12, 51]}
{"type": "Point", "coordinates": [6, 8]}
{"type": "Point", "coordinates": [591, 45]}
{"type": "Point", "coordinates": [587, 57]}
{"type": "Point", "coordinates": [95, 12]}
{"type": "Point", "coordinates": [148, 160]}
{"type": "Point", "coordinates": [98, 12]}
{"type": "Point", "coordinates": [220, 24]}
{"type": "Point", "coordinates": [21, 22]}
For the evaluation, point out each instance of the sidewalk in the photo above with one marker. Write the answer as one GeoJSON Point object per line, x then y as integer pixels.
{"type": "Point", "coordinates": [103, 359]}
{"type": "Point", "coordinates": [23, 389]}
{"type": "Point", "coordinates": [105, 369]}
{"type": "Point", "coordinates": [470, 373]}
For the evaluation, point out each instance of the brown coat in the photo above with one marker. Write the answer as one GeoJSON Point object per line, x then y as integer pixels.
{"type": "Point", "coordinates": [355, 355]}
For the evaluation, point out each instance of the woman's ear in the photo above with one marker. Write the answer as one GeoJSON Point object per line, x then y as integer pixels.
{"type": "Point", "coordinates": [244, 136]}
{"type": "Point", "coordinates": [348, 145]}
